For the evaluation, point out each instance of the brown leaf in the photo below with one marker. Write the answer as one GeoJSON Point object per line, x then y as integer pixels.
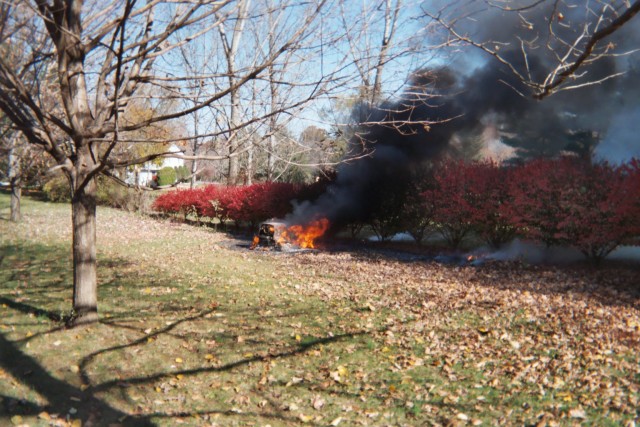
{"type": "Point", "coordinates": [317, 402]}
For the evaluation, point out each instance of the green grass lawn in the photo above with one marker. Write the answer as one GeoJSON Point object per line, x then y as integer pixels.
{"type": "Point", "coordinates": [197, 331]}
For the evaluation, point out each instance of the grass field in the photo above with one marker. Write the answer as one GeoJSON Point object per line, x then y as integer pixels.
{"type": "Point", "coordinates": [197, 331]}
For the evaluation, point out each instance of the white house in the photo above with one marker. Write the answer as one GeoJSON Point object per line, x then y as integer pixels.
{"type": "Point", "coordinates": [146, 171]}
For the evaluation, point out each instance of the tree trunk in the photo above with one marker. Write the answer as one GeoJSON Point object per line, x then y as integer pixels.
{"type": "Point", "coordinates": [234, 165]}
{"type": "Point", "coordinates": [85, 284]}
{"type": "Point", "coordinates": [271, 160]}
{"type": "Point", "coordinates": [250, 165]}
{"type": "Point", "coordinates": [15, 182]}
{"type": "Point", "coordinates": [231, 50]}
{"type": "Point", "coordinates": [194, 169]}
{"type": "Point", "coordinates": [16, 194]}
{"type": "Point", "coordinates": [194, 177]}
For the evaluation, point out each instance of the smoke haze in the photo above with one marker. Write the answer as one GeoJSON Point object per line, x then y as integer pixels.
{"type": "Point", "coordinates": [457, 100]}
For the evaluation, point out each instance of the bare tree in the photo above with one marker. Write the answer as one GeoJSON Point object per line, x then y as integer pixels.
{"type": "Point", "coordinates": [102, 55]}
{"type": "Point", "coordinates": [200, 124]}
{"type": "Point", "coordinates": [272, 95]}
{"type": "Point", "coordinates": [24, 165]}
{"type": "Point", "coordinates": [231, 44]}
{"type": "Point", "coordinates": [550, 46]}
{"type": "Point", "coordinates": [14, 173]}
{"type": "Point", "coordinates": [371, 37]}
{"type": "Point", "coordinates": [383, 37]}
{"type": "Point", "coordinates": [276, 98]}
{"type": "Point", "coordinates": [387, 47]}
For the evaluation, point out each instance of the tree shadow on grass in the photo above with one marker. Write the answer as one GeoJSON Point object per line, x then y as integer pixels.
{"type": "Point", "coordinates": [276, 411]}
{"type": "Point", "coordinates": [35, 279]}
{"type": "Point", "coordinates": [34, 291]}
{"type": "Point", "coordinates": [59, 394]}
{"type": "Point", "coordinates": [93, 410]}
{"type": "Point", "coordinates": [103, 395]}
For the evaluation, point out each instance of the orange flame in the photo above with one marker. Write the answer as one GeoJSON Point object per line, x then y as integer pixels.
{"type": "Point", "coordinates": [305, 235]}
{"type": "Point", "coordinates": [255, 242]}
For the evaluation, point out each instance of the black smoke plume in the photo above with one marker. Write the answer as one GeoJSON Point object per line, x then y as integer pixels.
{"type": "Point", "coordinates": [460, 97]}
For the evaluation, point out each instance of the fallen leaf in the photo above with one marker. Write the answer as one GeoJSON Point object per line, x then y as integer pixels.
{"type": "Point", "coordinates": [317, 402]}
{"type": "Point", "coordinates": [305, 418]}
{"type": "Point", "coordinates": [293, 381]}
{"type": "Point", "coordinates": [577, 413]}
{"type": "Point", "coordinates": [463, 417]}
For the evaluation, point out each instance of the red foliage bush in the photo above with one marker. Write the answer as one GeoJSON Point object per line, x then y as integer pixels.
{"type": "Point", "coordinates": [629, 210]}
{"type": "Point", "coordinates": [590, 206]}
{"type": "Point", "coordinates": [593, 207]}
{"type": "Point", "coordinates": [488, 195]}
{"type": "Point", "coordinates": [416, 216]}
{"type": "Point", "coordinates": [453, 209]}
{"type": "Point", "coordinates": [243, 204]}
{"type": "Point", "coordinates": [186, 202]}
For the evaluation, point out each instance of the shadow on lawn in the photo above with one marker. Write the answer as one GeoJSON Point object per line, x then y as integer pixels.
{"type": "Point", "coordinates": [93, 410]}
{"type": "Point", "coordinates": [32, 289]}
{"type": "Point", "coordinates": [277, 411]}
{"type": "Point", "coordinates": [59, 394]}
{"type": "Point", "coordinates": [41, 267]}
{"type": "Point", "coordinates": [35, 279]}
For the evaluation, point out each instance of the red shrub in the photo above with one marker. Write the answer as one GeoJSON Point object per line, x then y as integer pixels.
{"type": "Point", "coordinates": [254, 207]}
{"type": "Point", "coordinates": [179, 201]}
{"type": "Point", "coordinates": [281, 197]}
{"type": "Point", "coordinates": [592, 207]}
{"type": "Point", "coordinates": [231, 202]}
{"type": "Point", "coordinates": [416, 215]}
{"type": "Point", "coordinates": [209, 206]}
{"type": "Point", "coordinates": [166, 203]}
{"type": "Point", "coordinates": [452, 201]}
{"type": "Point", "coordinates": [488, 194]}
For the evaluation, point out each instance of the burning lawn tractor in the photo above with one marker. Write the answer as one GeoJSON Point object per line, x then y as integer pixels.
{"type": "Point", "coordinates": [269, 235]}
{"type": "Point", "coordinates": [282, 237]}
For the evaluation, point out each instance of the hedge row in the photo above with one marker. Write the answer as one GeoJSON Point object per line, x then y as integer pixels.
{"type": "Point", "coordinates": [593, 207]}
{"type": "Point", "coordinates": [250, 204]}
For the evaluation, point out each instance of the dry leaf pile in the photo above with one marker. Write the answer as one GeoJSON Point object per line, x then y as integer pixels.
{"type": "Point", "coordinates": [570, 332]}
